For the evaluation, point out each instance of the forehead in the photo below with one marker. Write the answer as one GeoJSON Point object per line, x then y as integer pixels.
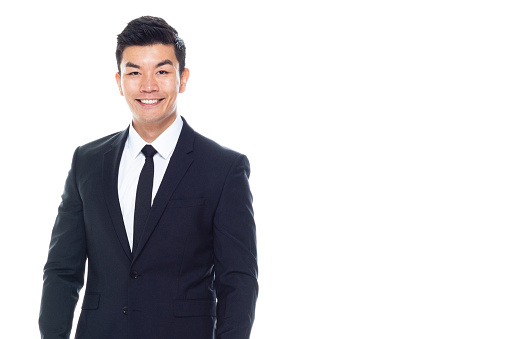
{"type": "Point", "coordinates": [147, 55]}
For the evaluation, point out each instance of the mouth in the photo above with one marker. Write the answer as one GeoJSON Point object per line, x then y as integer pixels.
{"type": "Point", "coordinates": [149, 101]}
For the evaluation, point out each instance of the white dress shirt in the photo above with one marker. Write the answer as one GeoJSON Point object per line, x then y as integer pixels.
{"type": "Point", "coordinates": [132, 162]}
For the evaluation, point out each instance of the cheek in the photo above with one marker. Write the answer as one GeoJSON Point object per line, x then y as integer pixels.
{"type": "Point", "coordinates": [128, 88]}
{"type": "Point", "coordinates": [171, 89]}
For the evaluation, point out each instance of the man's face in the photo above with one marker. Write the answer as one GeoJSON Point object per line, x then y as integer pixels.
{"type": "Point", "coordinates": [150, 83]}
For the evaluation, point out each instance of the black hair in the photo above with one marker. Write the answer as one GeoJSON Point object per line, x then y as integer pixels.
{"type": "Point", "coordinates": [149, 30]}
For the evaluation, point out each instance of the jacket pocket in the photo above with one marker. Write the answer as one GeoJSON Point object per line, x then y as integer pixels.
{"type": "Point", "coordinates": [194, 308]}
{"type": "Point", "coordinates": [91, 301]}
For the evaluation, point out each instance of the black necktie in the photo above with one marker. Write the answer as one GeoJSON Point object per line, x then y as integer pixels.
{"type": "Point", "coordinates": [143, 194]}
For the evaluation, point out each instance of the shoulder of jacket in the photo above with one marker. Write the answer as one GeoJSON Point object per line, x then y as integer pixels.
{"type": "Point", "coordinates": [210, 146]}
{"type": "Point", "coordinates": [100, 145]}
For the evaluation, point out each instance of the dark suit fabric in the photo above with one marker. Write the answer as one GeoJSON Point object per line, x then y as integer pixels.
{"type": "Point", "coordinates": [199, 244]}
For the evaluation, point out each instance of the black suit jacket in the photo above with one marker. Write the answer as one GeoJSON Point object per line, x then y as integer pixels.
{"type": "Point", "coordinates": [194, 274]}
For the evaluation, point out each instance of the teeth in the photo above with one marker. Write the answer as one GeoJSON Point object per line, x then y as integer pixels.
{"type": "Point", "coordinates": [149, 101]}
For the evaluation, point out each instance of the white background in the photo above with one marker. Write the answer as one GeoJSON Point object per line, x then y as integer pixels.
{"type": "Point", "coordinates": [377, 133]}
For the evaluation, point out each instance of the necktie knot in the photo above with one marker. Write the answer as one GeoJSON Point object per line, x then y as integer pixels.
{"type": "Point", "coordinates": [148, 151]}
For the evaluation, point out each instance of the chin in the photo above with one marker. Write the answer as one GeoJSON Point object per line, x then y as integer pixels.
{"type": "Point", "coordinates": [154, 119]}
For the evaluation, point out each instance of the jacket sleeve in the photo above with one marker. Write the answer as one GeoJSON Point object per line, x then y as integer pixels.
{"type": "Point", "coordinates": [64, 269]}
{"type": "Point", "coordinates": [236, 269]}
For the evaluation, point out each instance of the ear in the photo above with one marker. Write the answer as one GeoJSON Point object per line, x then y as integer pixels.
{"type": "Point", "coordinates": [183, 80]}
{"type": "Point", "coordinates": [119, 83]}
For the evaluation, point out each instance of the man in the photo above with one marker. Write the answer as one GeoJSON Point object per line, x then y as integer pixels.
{"type": "Point", "coordinates": [163, 215]}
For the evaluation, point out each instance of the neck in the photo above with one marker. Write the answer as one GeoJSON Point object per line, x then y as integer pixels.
{"type": "Point", "coordinates": [151, 131]}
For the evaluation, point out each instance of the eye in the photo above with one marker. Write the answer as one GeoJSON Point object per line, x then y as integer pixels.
{"type": "Point", "coordinates": [162, 72]}
{"type": "Point", "coordinates": [134, 73]}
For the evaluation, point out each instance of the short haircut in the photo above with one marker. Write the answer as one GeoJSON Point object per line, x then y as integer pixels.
{"type": "Point", "coordinates": [149, 30]}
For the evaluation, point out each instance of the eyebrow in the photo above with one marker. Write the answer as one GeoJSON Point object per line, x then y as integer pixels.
{"type": "Point", "coordinates": [130, 64]}
{"type": "Point", "coordinates": [162, 63]}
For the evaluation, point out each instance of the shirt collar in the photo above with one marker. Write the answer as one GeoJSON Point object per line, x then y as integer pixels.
{"type": "Point", "coordinates": [164, 144]}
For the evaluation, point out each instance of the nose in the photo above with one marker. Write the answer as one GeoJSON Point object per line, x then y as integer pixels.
{"type": "Point", "coordinates": [148, 83]}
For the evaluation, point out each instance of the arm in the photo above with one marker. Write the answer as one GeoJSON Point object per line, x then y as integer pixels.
{"type": "Point", "coordinates": [236, 268]}
{"type": "Point", "coordinates": [64, 270]}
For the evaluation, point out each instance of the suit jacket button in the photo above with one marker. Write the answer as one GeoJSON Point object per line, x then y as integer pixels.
{"type": "Point", "coordinates": [124, 310]}
{"type": "Point", "coordinates": [134, 274]}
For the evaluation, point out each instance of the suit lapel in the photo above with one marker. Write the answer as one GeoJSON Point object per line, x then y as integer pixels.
{"type": "Point", "coordinates": [111, 163]}
{"type": "Point", "coordinates": [177, 168]}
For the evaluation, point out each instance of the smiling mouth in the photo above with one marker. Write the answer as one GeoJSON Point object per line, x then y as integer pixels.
{"type": "Point", "coordinates": [149, 101]}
